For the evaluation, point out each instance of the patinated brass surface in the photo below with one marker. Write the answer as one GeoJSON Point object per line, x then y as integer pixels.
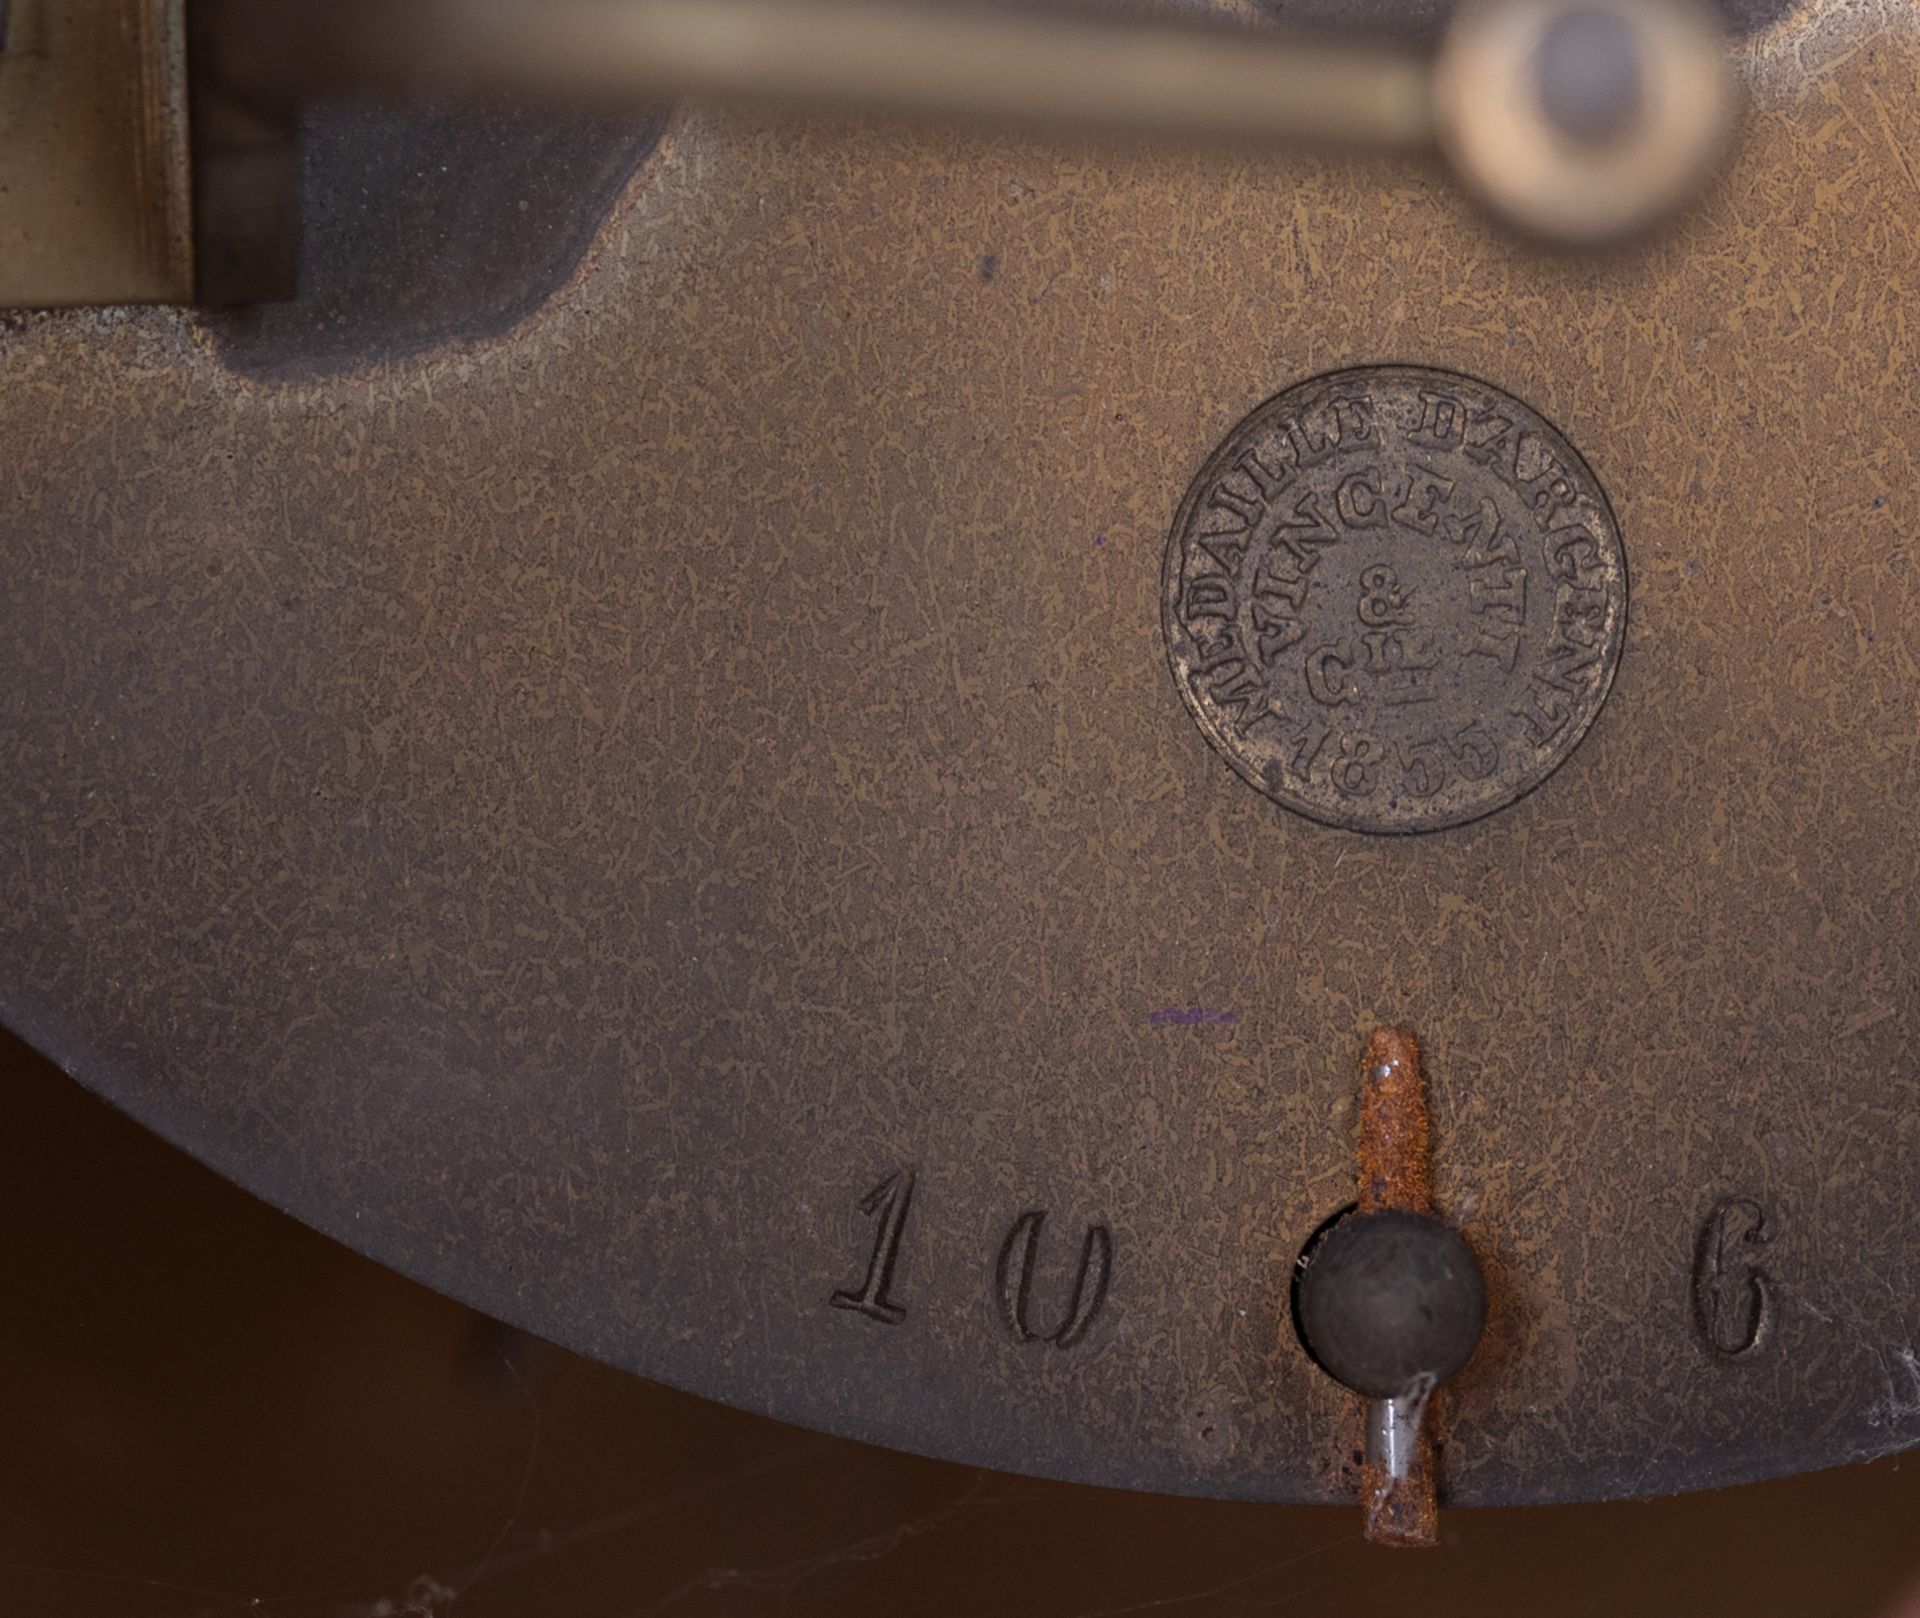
{"type": "Point", "coordinates": [575, 813]}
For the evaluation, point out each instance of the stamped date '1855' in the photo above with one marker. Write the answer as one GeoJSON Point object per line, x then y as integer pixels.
{"type": "Point", "coordinates": [1394, 599]}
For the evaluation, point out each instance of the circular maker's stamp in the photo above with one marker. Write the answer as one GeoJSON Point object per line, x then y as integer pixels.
{"type": "Point", "coordinates": [1394, 599]}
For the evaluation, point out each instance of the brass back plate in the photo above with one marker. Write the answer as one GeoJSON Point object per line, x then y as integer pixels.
{"type": "Point", "coordinates": [574, 814]}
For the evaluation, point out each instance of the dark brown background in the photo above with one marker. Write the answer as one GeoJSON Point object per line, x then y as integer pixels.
{"type": "Point", "coordinates": [215, 1411]}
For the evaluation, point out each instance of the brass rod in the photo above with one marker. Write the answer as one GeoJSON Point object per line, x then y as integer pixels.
{"type": "Point", "coordinates": [996, 66]}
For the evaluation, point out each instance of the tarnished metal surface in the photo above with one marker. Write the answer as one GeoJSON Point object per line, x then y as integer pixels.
{"type": "Point", "coordinates": [582, 815]}
{"type": "Point", "coordinates": [1395, 599]}
{"type": "Point", "coordinates": [425, 226]}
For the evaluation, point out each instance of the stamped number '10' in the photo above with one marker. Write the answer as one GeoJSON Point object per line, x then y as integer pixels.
{"type": "Point", "coordinates": [889, 1204]}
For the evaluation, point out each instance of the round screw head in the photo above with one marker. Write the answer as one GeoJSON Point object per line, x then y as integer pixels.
{"type": "Point", "coordinates": [1584, 121]}
{"type": "Point", "coordinates": [1390, 1302]}
{"type": "Point", "coordinates": [1589, 75]}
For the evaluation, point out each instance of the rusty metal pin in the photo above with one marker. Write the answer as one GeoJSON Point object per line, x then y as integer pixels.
{"type": "Point", "coordinates": [1399, 1494]}
{"type": "Point", "coordinates": [1395, 1144]}
{"type": "Point", "coordinates": [1391, 1301]}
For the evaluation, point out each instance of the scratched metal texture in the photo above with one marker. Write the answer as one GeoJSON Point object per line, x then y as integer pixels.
{"type": "Point", "coordinates": [571, 813]}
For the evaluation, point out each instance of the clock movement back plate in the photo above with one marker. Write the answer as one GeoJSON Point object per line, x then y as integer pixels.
{"type": "Point", "coordinates": [664, 811]}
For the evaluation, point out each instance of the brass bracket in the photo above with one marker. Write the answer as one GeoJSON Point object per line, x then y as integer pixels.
{"type": "Point", "coordinates": [95, 204]}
